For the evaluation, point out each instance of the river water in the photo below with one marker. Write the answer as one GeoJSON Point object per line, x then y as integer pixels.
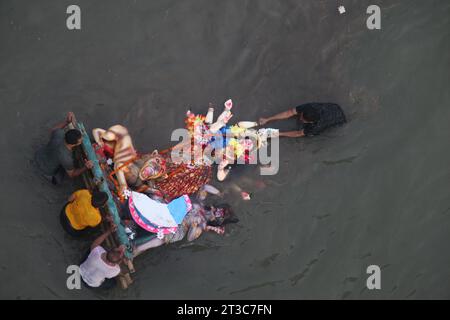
{"type": "Point", "coordinates": [375, 191]}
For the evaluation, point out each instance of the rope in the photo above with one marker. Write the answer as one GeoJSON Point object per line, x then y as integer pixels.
{"type": "Point", "coordinates": [115, 182]}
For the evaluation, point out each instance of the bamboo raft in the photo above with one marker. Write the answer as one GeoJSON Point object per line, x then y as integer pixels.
{"type": "Point", "coordinates": [100, 176]}
{"type": "Point", "coordinates": [97, 177]}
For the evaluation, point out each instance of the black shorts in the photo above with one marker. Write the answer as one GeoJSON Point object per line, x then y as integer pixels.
{"type": "Point", "coordinates": [108, 284]}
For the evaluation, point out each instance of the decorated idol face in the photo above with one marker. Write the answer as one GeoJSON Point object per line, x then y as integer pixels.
{"type": "Point", "coordinates": [247, 144]}
{"type": "Point", "coordinates": [154, 168]}
{"type": "Point", "coordinates": [249, 139]}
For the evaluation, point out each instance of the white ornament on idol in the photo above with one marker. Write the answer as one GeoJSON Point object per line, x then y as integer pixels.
{"type": "Point", "coordinates": [126, 193]}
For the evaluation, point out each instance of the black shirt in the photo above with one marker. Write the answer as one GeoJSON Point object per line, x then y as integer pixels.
{"type": "Point", "coordinates": [330, 115]}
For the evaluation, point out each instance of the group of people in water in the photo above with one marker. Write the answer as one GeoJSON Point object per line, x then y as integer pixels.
{"type": "Point", "coordinates": [156, 194]}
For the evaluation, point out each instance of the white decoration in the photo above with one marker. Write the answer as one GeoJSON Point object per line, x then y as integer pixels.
{"type": "Point", "coordinates": [156, 212]}
{"type": "Point", "coordinates": [126, 193]}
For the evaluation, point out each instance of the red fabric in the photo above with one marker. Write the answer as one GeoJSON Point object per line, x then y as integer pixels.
{"type": "Point", "coordinates": [108, 151]}
{"type": "Point", "coordinates": [183, 179]}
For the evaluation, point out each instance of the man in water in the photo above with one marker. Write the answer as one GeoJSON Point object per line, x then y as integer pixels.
{"type": "Point", "coordinates": [314, 118]}
{"type": "Point", "coordinates": [81, 214]}
{"type": "Point", "coordinates": [55, 159]}
{"type": "Point", "coordinates": [102, 266]}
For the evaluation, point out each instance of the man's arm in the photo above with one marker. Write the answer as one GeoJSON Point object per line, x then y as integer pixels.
{"type": "Point", "coordinates": [97, 242]}
{"type": "Point", "coordinates": [70, 118]}
{"type": "Point", "coordinates": [77, 172]}
{"type": "Point", "coordinates": [72, 197]}
{"type": "Point", "coordinates": [292, 134]}
{"type": "Point", "coordinates": [280, 116]}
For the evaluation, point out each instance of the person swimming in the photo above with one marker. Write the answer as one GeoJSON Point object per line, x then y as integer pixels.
{"type": "Point", "coordinates": [314, 118]}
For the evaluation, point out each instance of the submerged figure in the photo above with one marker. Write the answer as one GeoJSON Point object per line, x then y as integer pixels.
{"type": "Point", "coordinates": [314, 118]}
{"type": "Point", "coordinates": [55, 160]}
{"type": "Point", "coordinates": [198, 220]}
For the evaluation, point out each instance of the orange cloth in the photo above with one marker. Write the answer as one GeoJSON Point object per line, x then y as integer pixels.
{"type": "Point", "coordinates": [81, 213]}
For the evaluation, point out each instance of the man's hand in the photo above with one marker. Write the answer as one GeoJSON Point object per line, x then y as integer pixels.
{"type": "Point", "coordinates": [109, 219]}
{"type": "Point", "coordinates": [122, 248]}
{"type": "Point", "coordinates": [88, 164]}
{"type": "Point", "coordinates": [70, 117]}
{"type": "Point", "coordinates": [263, 121]}
{"type": "Point", "coordinates": [112, 228]}
{"type": "Point", "coordinates": [97, 242]}
{"type": "Point", "coordinates": [112, 225]}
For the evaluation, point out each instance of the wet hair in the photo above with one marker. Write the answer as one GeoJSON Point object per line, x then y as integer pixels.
{"type": "Point", "coordinates": [72, 136]}
{"type": "Point", "coordinates": [310, 114]}
{"type": "Point", "coordinates": [99, 198]}
{"type": "Point", "coordinates": [228, 216]}
{"type": "Point", "coordinates": [114, 256]}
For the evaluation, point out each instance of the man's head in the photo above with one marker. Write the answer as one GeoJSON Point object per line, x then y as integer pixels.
{"type": "Point", "coordinates": [73, 137]}
{"type": "Point", "coordinates": [115, 255]}
{"type": "Point", "coordinates": [221, 215]}
{"type": "Point", "coordinates": [309, 114]}
{"type": "Point", "coordinates": [99, 198]}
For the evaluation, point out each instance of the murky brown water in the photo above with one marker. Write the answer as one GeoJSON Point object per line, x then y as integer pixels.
{"type": "Point", "coordinates": [373, 192]}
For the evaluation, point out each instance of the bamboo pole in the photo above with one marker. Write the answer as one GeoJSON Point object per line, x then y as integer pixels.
{"type": "Point", "coordinates": [97, 174]}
